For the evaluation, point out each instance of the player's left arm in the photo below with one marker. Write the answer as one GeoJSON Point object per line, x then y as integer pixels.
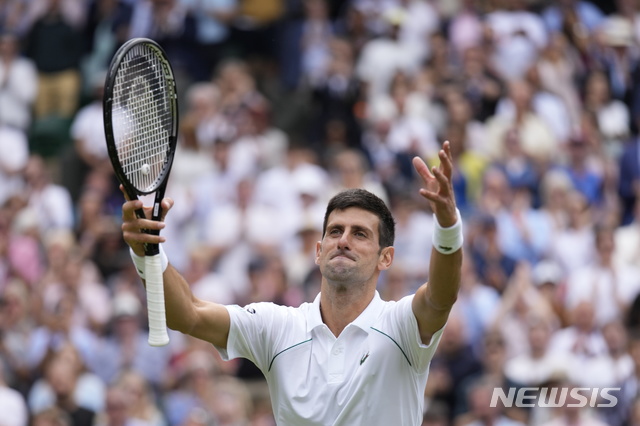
{"type": "Point", "coordinates": [433, 300]}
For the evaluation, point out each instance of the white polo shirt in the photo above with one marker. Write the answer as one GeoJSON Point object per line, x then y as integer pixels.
{"type": "Point", "coordinates": [374, 373]}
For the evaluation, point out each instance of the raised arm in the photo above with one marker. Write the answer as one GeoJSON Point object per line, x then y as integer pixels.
{"type": "Point", "coordinates": [185, 313]}
{"type": "Point", "coordinates": [433, 300]}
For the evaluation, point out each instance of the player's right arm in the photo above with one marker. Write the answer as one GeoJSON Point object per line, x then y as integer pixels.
{"type": "Point", "coordinates": [186, 313]}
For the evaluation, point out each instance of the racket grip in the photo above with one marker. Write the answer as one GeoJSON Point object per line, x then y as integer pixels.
{"type": "Point", "coordinates": [158, 335]}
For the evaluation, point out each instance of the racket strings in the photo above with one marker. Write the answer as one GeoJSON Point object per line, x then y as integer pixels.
{"type": "Point", "coordinates": [142, 117]}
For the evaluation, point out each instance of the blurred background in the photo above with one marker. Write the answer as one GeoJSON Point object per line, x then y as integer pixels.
{"type": "Point", "coordinates": [282, 104]}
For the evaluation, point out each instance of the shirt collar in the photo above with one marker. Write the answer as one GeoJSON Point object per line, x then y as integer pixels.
{"type": "Point", "coordinates": [364, 321]}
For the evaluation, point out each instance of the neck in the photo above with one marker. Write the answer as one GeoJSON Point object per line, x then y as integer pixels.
{"type": "Point", "coordinates": [339, 307]}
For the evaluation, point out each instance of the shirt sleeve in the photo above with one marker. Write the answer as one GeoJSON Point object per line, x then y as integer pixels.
{"type": "Point", "coordinates": [253, 331]}
{"type": "Point", "coordinates": [404, 325]}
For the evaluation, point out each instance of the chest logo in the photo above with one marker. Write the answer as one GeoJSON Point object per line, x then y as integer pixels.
{"type": "Point", "coordinates": [364, 358]}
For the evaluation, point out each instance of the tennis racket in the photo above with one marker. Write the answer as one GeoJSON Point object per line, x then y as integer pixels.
{"type": "Point", "coordinates": [141, 126]}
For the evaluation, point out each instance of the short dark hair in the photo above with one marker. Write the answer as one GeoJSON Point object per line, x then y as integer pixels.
{"type": "Point", "coordinates": [363, 199]}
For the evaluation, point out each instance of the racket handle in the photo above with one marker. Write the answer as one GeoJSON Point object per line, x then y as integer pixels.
{"type": "Point", "coordinates": [158, 335]}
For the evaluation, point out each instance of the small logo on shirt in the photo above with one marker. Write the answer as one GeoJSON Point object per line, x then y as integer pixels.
{"type": "Point", "coordinates": [364, 358]}
{"type": "Point", "coordinates": [250, 310]}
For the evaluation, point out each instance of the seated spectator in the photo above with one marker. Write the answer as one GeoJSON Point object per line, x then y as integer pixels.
{"type": "Point", "coordinates": [581, 338]}
{"type": "Point", "coordinates": [536, 138]}
{"type": "Point", "coordinates": [610, 287]}
{"type": "Point", "coordinates": [18, 83]}
{"type": "Point", "coordinates": [572, 411]}
{"type": "Point", "coordinates": [141, 402]}
{"type": "Point", "coordinates": [481, 411]}
{"type": "Point", "coordinates": [14, 155]}
{"type": "Point", "coordinates": [13, 407]}
{"type": "Point", "coordinates": [522, 305]}
{"type": "Point", "coordinates": [67, 385]}
{"type": "Point", "coordinates": [126, 347]}
{"type": "Point", "coordinates": [539, 364]}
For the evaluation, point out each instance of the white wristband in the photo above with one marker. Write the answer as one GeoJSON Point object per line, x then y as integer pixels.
{"type": "Point", "coordinates": [448, 240]}
{"type": "Point", "coordinates": [139, 261]}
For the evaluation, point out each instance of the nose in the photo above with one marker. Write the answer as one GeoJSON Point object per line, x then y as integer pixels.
{"type": "Point", "coordinates": [343, 242]}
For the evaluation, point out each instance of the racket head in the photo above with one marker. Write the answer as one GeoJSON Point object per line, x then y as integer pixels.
{"type": "Point", "coordinates": [140, 109]}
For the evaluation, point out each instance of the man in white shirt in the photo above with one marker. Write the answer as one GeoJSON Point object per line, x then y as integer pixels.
{"type": "Point", "coordinates": [18, 84]}
{"type": "Point", "coordinates": [349, 357]}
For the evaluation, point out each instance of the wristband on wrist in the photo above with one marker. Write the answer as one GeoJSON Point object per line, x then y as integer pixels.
{"type": "Point", "coordinates": [448, 240]}
{"type": "Point", "coordinates": [139, 261]}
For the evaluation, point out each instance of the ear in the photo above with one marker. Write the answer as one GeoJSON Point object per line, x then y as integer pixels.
{"type": "Point", "coordinates": [318, 251]}
{"type": "Point", "coordinates": [386, 258]}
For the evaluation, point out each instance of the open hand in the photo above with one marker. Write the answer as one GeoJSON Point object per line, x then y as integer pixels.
{"type": "Point", "coordinates": [438, 189]}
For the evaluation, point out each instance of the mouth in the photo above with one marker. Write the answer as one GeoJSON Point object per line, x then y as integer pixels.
{"type": "Point", "coordinates": [342, 255]}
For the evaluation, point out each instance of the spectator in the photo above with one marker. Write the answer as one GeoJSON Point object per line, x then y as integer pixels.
{"type": "Point", "coordinates": [481, 411]}
{"type": "Point", "coordinates": [577, 234]}
{"type": "Point", "coordinates": [522, 305]}
{"type": "Point", "coordinates": [351, 171]}
{"type": "Point", "coordinates": [612, 115]}
{"type": "Point", "coordinates": [66, 385]}
{"type": "Point", "coordinates": [173, 26]}
{"type": "Point", "coordinates": [14, 155]}
{"type": "Point", "coordinates": [627, 240]}
{"type": "Point", "coordinates": [89, 149]}
{"type": "Point", "coordinates": [52, 416]}
{"type": "Point", "coordinates": [52, 202]}
{"type": "Point", "coordinates": [104, 32]}
{"type": "Point", "coordinates": [54, 43]}
{"type": "Point", "coordinates": [615, 36]}
{"type": "Point", "coordinates": [194, 393]}
{"type": "Point", "coordinates": [569, 413]}
{"type": "Point", "coordinates": [608, 286]}
{"type": "Point", "coordinates": [536, 137]}
{"type": "Point", "coordinates": [585, 170]}
{"type": "Point", "coordinates": [18, 84]}
{"type": "Point", "coordinates": [116, 411]}
{"type": "Point", "coordinates": [140, 399]}
{"type": "Point", "coordinates": [581, 338]}
{"type": "Point", "coordinates": [578, 18]}
{"type": "Point", "coordinates": [539, 364]}
{"type": "Point", "coordinates": [558, 69]}
{"type": "Point", "coordinates": [629, 180]}
{"type": "Point", "coordinates": [126, 347]}
{"type": "Point", "coordinates": [455, 362]}
{"type": "Point", "coordinates": [213, 20]}
{"type": "Point", "coordinates": [13, 407]}
{"type": "Point", "coordinates": [250, 228]}
{"type": "Point", "coordinates": [517, 36]}
{"type": "Point", "coordinates": [16, 326]}
{"type": "Point", "coordinates": [382, 57]}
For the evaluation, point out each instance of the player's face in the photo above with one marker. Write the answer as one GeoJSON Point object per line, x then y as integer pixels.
{"type": "Point", "coordinates": [349, 253]}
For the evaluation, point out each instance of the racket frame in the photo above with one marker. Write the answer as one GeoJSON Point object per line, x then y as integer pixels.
{"type": "Point", "coordinates": [157, 318]}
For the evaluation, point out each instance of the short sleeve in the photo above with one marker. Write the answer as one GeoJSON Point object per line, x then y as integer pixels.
{"type": "Point", "coordinates": [403, 324]}
{"type": "Point", "coordinates": [253, 332]}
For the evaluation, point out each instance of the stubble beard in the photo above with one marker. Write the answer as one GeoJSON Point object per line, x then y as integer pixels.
{"type": "Point", "coordinates": [342, 277]}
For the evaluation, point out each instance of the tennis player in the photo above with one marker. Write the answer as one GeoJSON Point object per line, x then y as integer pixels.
{"type": "Point", "coordinates": [349, 358]}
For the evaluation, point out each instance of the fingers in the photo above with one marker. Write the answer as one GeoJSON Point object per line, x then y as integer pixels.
{"type": "Point", "coordinates": [137, 222]}
{"type": "Point", "coordinates": [166, 205]}
{"type": "Point", "coordinates": [446, 159]}
{"type": "Point", "coordinates": [126, 196]}
{"type": "Point", "coordinates": [422, 169]}
{"type": "Point", "coordinates": [438, 179]}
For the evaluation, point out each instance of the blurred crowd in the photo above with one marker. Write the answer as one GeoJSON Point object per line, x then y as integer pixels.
{"type": "Point", "coordinates": [282, 104]}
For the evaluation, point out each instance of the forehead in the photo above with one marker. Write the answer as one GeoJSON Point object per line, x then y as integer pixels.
{"type": "Point", "coordinates": [353, 216]}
